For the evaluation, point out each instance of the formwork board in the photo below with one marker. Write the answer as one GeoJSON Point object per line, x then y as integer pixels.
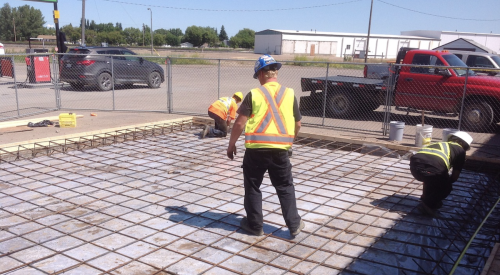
{"type": "Point", "coordinates": [173, 204]}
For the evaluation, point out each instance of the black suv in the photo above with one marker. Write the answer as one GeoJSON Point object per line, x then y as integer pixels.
{"type": "Point", "coordinates": [92, 66]}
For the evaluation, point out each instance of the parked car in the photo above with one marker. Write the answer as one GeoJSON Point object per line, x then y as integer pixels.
{"type": "Point", "coordinates": [2, 49]}
{"type": "Point", "coordinates": [475, 59]}
{"type": "Point", "coordinates": [92, 66]}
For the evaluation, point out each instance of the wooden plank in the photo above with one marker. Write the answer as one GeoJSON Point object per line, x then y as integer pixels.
{"type": "Point", "coordinates": [492, 266]}
{"type": "Point", "coordinates": [15, 129]}
{"type": "Point", "coordinates": [25, 122]}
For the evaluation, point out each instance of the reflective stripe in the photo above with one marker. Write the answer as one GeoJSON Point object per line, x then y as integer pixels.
{"type": "Point", "coordinates": [252, 138]}
{"type": "Point", "coordinates": [443, 152]}
{"type": "Point", "coordinates": [279, 95]}
{"type": "Point", "coordinates": [226, 101]}
{"type": "Point", "coordinates": [265, 123]}
{"type": "Point", "coordinates": [271, 103]}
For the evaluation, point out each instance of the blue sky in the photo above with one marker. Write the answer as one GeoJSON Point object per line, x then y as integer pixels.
{"type": "Point", "coordinates": [480, 16]}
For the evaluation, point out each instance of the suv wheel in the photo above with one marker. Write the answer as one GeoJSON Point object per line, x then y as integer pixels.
{"type": "Point", "coordinates": [154, 80]}
{"type": "Point", "coordinates": [104, 82]}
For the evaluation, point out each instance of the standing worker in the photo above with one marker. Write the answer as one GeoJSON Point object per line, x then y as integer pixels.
{"type": "Point", "coordinates": [431, 165]}
{"type": "Point", "coordinates": [222, 111]}
{"type": "Point", "coordinates": [272, 118]}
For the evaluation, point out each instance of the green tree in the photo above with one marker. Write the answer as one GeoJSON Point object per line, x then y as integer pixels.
{"type": "Point", "coordinates": [6, 23]}
{"type": "Point", "coordinates": [223, 34]}
{"type": "Point", "coordinates": [73, 34]}
{"type": "Point", "coordinates": [199, 35]}
{"type": "Point", "coordinates": [176, 32]}
{"type": "Point", "coordinates": [159, 39]}
{"type": "Point", "coordinates": [91, 37]}
{"type": "Point", "coordinates": [132, 36]}
{"type": "Point", "coordinates": [245, 38]}
{"type": "Point", "coordinates": [173, 40]}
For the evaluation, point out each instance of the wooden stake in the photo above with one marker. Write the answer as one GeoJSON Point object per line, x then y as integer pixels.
{"type": "Point", "coordinates": [423, 116]}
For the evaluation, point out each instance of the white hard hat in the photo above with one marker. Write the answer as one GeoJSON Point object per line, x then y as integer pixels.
{"type": "Point", "coordinates": [463, 136]}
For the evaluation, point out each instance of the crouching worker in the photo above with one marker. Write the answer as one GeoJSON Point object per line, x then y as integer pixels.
{"type": "Point", "coordinates": [432, 164]}
{"type": "Point", "coordinates": [222, 112]}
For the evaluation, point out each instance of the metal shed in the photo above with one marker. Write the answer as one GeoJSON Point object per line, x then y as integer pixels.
{"type": "Point", "coordinates": [336, 44]}
{"type": "Point", "coordinates": [464, 44]}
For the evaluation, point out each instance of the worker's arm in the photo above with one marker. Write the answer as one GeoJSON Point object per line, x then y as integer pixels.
{"type": "Point", "coordinates": [239, 125]}
{"type": "Point", "coordinates": [297, 128]}
{"type": "Point", "coordinates": [455, 174]}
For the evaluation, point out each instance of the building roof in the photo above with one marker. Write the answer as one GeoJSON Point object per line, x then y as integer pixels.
{"type": "Point", "coordinates": [469, 41]}
{"type": "Point", "coordinates": [344, 34]}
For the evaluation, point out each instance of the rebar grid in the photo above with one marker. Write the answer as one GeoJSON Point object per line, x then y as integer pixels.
{"type": "Point", "coordinates": [336, 192]}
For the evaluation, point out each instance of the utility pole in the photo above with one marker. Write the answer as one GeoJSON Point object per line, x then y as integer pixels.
{"type": "Point", "coordinates": [143, 34]}
{"type": "Point", "coordinates": [368, 37]}
{"type": "Point", "coordinates": [83, 23]}
{"type": "Point", "coordinates": [14, 23]}
{"type": "Point", "coordinates": [151, 30]}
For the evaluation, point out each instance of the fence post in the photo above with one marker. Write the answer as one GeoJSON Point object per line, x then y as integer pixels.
{"type": "Point", "coordinates": [463, 101]}
{"type": "Point", "coordinates": [57, 92]}
{"type": "Point", "coordinates": [15, 84]}
{"type": "Point", "coordinates": [388, 99]}
{"type": "Point", "coordinates": [218, 81]}
{"type": "Point", "coordinates": [169, 86]}
{"type": "Point", "coordinates": [113, 82]}
{"type": "Point", "coordinates": [325, 94]}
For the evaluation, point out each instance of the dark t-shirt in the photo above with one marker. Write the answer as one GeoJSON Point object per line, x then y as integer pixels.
{"type": "Point", "coordinates": [435, 165]}
{"type": "Point", "coordinates": [246, 107]}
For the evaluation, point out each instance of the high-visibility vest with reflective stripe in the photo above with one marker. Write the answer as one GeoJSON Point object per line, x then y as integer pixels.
{"type": "Point", "coordinates": [272, 124]}
{"type": "Point", "coordinates": [222, 107]}
{"type": "Point", "coordinates": [443, 152]}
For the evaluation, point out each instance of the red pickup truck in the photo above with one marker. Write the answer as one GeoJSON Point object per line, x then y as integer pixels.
{"type": "Point", "coordinates": [440, 89]}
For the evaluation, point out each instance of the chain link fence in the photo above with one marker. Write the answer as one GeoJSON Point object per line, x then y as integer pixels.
{"type": "Point", "coordinates": [358, 98]}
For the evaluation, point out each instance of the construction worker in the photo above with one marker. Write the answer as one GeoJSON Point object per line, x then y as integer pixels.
{"type": "Point", "coordinates": [271, 119]}
{"type": "Point", "coordinates": [432, 164]}
{"type": "Point", "coordinates": [222, 111]}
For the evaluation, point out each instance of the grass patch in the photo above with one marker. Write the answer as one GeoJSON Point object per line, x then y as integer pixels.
{"type": "Point", "coordinates": [305, 61]}
{"type": "Point", "coordinates": [194, 59]}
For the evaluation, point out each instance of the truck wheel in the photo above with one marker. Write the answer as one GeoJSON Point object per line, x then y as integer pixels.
{"type": "Point", "coordinates": [104, 82]}
{"type": "Point", "coordinates": [478, 116]}
{"type": "Point", "coordinates": [154, 80]}
{"type": "Point", "coordinates": [340, 104]}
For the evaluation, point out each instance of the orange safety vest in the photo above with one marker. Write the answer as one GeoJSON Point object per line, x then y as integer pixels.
{"type": "Point", "coordinates": [223, 107]}
{"type": "Point", "coordinates": [272, 124]}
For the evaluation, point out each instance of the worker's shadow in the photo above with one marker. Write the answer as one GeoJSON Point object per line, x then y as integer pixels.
{"type": "Point", "coordinates": [397, 203]}
{"type": "Point", "coordinates": [221, 221]}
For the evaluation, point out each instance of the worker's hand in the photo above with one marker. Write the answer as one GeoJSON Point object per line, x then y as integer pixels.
{"type": "Point", "coordinates": [231, 151]}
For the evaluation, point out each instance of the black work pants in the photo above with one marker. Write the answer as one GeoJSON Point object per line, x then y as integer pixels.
{"type": "Point", "coordinates": [437, 186]}
{"type": "Point", "coordinates": [255, 163]}
{"type": "Point", "coordinates": [220, 129]}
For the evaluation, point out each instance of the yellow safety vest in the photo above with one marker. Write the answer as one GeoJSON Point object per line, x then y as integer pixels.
{"type": "Point", "coordinates": [272, 124]}
{"type": "Point", "coordinates": [443, 152]}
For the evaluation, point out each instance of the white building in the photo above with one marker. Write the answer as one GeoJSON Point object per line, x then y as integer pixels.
{"type": "Point", "coordinates": [337, 44]}
{"type": "Point", "coordinates": [490, 40]}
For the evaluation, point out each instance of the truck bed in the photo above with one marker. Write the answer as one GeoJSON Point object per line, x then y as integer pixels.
{"type": "Point", "coordinates": [317, 83]}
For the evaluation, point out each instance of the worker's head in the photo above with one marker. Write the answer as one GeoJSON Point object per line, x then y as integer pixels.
{"type": "Point", "coordinates": [461, 138]}
{"type": "Point", "coordinates": [268, 66]}
{"type": "Point", "coordinates": [238, 97]}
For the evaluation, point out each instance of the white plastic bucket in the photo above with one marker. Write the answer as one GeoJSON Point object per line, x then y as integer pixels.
{"type": "Point", "coordinates": [423, 136]}
{"type": "Point", "coordinates": [447, 131]}
{"type": "Point", "coordinates": [396, 129]}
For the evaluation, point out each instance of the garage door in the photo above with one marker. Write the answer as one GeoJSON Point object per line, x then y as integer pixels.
{"type": "Point", "coordinates": [328, 47]}
{"type": "Point", "coordinates": [288, 46]}
{"type": "Point", "coordinates": [300, 47]}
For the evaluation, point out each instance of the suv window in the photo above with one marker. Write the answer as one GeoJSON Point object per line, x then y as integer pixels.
{"type": "Point", "coordinates": [425, 59]}
{"type": "Point", "coordinates": [479, 61]}
{"type": "Point", "coordinates": [130, 56]}
{"type": "Point", "coordinates": [115, 52]}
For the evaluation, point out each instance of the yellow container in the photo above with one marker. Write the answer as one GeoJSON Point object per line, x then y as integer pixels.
{"type": "Point", "coordinates": [67, 120]}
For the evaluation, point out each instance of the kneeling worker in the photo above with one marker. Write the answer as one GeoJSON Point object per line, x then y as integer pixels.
{"type": "Point", "coordinates": [431, 165]}
{"type": "Point", "coordinates": [222, 111]}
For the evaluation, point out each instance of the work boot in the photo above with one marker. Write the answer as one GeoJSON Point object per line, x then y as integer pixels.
{"type": "Point", "coordinates": [204, 132]}
{"type": "Point", "coordinates": [296, 231]}
{"type": "Point", "coordinates": [245, 226]}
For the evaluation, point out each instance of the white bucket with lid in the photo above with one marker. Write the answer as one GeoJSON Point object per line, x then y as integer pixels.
{"type": "Point", "coordinates": [423, 135]}
{"type": "Point", "coordinates": [396, 129]}
{"type": "Point", "coordinates": [447, 131]}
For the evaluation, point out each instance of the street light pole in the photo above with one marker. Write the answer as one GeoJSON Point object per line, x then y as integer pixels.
{"type": "Point", "coordinates": [368, 37]}
{"type": "Point", "coordinates": [83, 23]}
{"type": "Point", "coordinates": [151, 12]}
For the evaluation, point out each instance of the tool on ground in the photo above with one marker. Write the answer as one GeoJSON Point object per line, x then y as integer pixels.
{"type": "Point", "coordinates": [43, 123]}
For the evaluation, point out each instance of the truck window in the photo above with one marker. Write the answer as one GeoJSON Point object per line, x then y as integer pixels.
{"type": "Point", "coordinates": [458, 55]}
{"type": "Point", "coordinates": [497, 60]}
{"type": "Point", "coordinates": [479, 61]}
{"type": "Point", "coordinates": [115, 52]}
{"type": "Point", "coordinates": [425, 59]}
{"type": "Point", "coordinates": [454, 61]}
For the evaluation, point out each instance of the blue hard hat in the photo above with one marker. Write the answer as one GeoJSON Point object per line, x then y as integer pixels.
{"type": "Point", "coordinates": [263, 62]}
